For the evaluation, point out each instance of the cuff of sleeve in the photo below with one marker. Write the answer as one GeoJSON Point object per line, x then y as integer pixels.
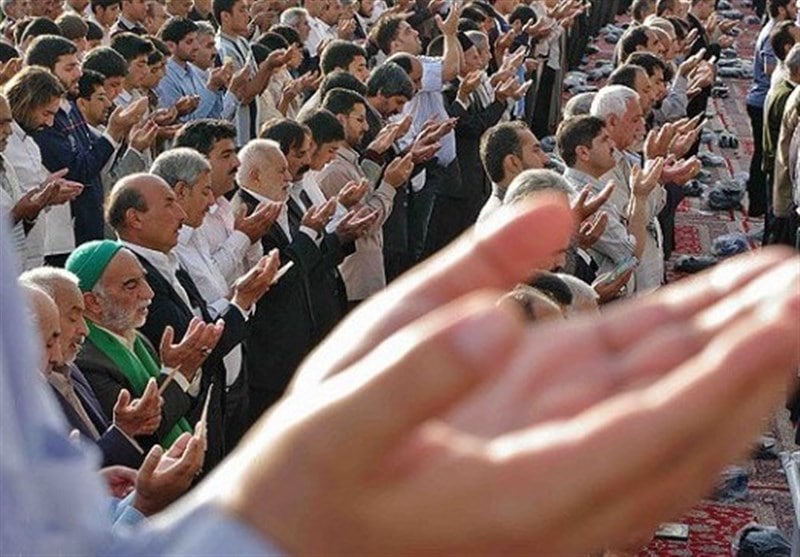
{"type": "Point", "coordinates": [130, 439]}
{"type": "Point", "coordinates": [311, 233]}
{"type": "Point", "coordinates": [108, 138]}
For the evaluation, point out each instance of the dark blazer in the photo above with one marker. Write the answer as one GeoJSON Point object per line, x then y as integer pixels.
{"type": "Point", "coordinates": [167, 308]}
{"type": "Point", "coordinates": [282, 331]}
{"type": "Point", "coordinates": [69, 143]}
{"type": "Point", "coordinates": [107, 380]}
{"type": "Point", "coordinates": [472, 123]}
{"type": "Point", "coordinates": [698, 103]}
{"type": "Point", "coordinates": [121, 27]}
{"type": "Point", "coordinates": [114, 445]}
{"type": "Point", "coordinates": [326, 286]}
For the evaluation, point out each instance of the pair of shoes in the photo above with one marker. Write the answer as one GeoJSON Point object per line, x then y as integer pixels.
{"type": "Point", "coordinates": [704, 176]}
{"type": "Point", "coordinates": [729, 244]}
{"type": "Point", "coordinates": [722, 199]}
{"type": "Point", "coordinates": [693, 188]}
{"type": "Point", "coordinates": [694, 263]}
{"type": "Point", "coordinates": [720, 92]}
{"type": "Point", "coordinates": [710, 159]}
{"type": "Point", "coordinates": [728, 140]}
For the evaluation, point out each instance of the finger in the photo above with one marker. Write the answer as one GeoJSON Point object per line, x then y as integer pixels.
{"type": "Point", "coordinates": [497, 255]}
{"type": "Point", "coordinates": [166, 340]}
{"type": "Point", "coordinates": [148, 467]}
{"type": "Point", "coordinates": [463, 341]}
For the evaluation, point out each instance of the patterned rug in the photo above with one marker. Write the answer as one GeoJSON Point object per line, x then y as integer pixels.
{"type": "Point", "coordinates": [713, 525]}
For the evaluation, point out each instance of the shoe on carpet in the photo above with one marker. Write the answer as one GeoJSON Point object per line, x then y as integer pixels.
{"type": "Point", "coordinates": [728, 245]}
{"type": "Point", "coordinates": [710, 159]}
{"type": "Point", "coordinates": [693, 188]}
{"type": "Point", "coordinates": [704, 176]}
{"type": "Point", "coordinates": [694, 263]}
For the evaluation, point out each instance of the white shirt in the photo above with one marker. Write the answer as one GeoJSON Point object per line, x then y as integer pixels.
{"type": "Point", "coordinates": [24, 155]}
{"type": "Point", "coordinates": [320, 31]}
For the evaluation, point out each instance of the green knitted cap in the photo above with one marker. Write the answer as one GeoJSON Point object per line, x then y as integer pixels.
{"type": "Point", "coordinates": [89, 261]}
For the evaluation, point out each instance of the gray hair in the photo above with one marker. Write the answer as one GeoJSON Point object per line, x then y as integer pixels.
{"type": "Point", "coordinates": [579, 105]}
{"type": "Point", "coordinates": [49, 279]}
{"type": "Point", "coordinates": [792, 61]}
{"type": "Point", "coordinates": [253, 154]}
{"type": "Point", "coordinates": [292, 16]}
{"type": "Point", "coordinates": [613, 100]}
{"type": "Point", "coordinates": [529, 182]}
{"type": "Point", "coordinates": [478, 38]}
{"type": "Point", "coordinates": [181, 164]}
{"type": "Point", "coordinates": [205, 28]}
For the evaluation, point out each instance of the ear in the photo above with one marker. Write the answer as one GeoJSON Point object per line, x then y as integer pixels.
{"type": "Point", "coordinates": [582, 153]}
{"type": "Point", "coordinates": [92, 303]}
{"type": "Point", "coordinates": [612, 121]}
{"type": "Point", "coordinates": [181, 190]}
{"type": "Point", "coordinates": [511, 164]}
{"type": "Point", "coordinates": [132, 219]}
{"type": "Point", "coordinates": [342, 119]}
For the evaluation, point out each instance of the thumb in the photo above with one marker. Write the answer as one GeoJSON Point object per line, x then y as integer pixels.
{"type": "Point", "coordinates": [123, 400]}
{"type": "Point", "coordinates": [166, 339]}
{"type": "Point", "coordinates": [465, 343]}
{"type": "Point", "coordinates": [148, 467]}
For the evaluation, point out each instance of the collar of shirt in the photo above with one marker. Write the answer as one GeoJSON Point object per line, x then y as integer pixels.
{"type": "Point", "coordinates": [165, 263]}
{"type": "Point", "coordinates": [21, 134]}
{"type": "Point", "coordinates": [580, 177]}
{"type": "Point", "coordinates": [127, 23]}
{"type": "Point", "coordinates": [348, 153]}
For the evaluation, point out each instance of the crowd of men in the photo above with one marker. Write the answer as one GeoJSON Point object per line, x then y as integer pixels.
{"type": "Point", "coordinates": [199, 192]}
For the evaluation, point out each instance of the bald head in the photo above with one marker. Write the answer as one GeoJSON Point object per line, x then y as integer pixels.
{"type": "Point", "coordinates": [62, 287]}
{"type": "Point", "coordinates": [264, 169]}
{"type": "Point", "coordinates": [44, 313]}
{"type": "Point", "coordinates": [142, 208]}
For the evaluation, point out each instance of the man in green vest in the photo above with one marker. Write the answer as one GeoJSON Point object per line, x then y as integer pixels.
{"type": "Point", "coordinates": [116, 356]}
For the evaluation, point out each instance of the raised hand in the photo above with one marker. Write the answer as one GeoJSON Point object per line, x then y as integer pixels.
{"type": "Point", "coordinates": [255, 225]}
{"type": "Point", "coordinates": [143, 135]}
{"type": "Point", "coordinates": [120, 480]}
{"type": "Point", "coordinates": [188, 104]}
{"type": "Point", "coordinates": [123, 119]}
{"type": "Point", "coordinates": [449, 26]}
{"type": "Point", "coordinates": [163, 478]}
{"type": "Point", "coordinates": [385, 138]}
{"type": "Point", "coordinates": [318, 217]}
{"type": "Point", "coordinates": [250, 287]}
{"type": "Point", "coordinates": [586, 204]}
{"type": "Point", "coordinates": [644, 181]}
{"type": "Point", "coordinates": [468, 85]}
{"type": "Point", "coordinates": [680, 172]}
{"type": "Point", "coordinates": [141, 416]}
{"type": "Point", "coordinates": [399, 170]}
{"type": "Point", "coordinates": [197, 344]}
{"type": "Point", "coordinates": [356, 223]}
{"type": "Point", "coordinates": [352, 193]}
{"type": "Point", "coordinates": [33, 202]}
{"type": "Point", "coordinates": [591, 230]}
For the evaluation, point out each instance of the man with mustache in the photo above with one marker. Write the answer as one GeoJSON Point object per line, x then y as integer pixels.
{"type": "Point", "coordinates": [116, 356]}
{"type": "Point", "coordinates": [189, 175]}
{"type": "Point", "coordinates": [131, 418]}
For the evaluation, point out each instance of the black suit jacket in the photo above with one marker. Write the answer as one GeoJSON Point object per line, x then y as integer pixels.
{"type": "Point", "coordinates": [167, 308]}
{"type": "Point", "coordinates": [472, 123]}
{"type": "Point", "coordinates": [107, 380]}
{"type": "Point", "coordinates": [114, 445]}
{"type": "Point", "coordinates": [325, 283]}
{"type": "Point", "coordinates": [282, 330]}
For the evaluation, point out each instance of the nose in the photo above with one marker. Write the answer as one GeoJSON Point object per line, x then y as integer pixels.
{"type": "Point", "coordinates": [82, 329]}
{"type": "Point", "coordinates": [146, 293]}
{"type": "Point", "coordinates": [54, 355]}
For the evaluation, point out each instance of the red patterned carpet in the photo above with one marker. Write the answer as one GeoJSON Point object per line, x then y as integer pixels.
{"type": "Point", "coordinates": [713, 525]}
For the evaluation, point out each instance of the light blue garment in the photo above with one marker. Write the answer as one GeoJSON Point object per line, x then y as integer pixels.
{"type": "Point", "coordinates": [762, 57]}
{"type": "Point", "coordinates": [237, 49]}
{"type": "Point", "coordinates": [52, 501]}
{"type": "Point", "coordinates": [188, 80]}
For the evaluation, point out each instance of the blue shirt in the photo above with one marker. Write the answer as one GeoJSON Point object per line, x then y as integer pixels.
{"type": "Point", "coordinates": [181, 81]}
{"type": "Point", "coordinates": [763, 56]}
{"type": "Point", "coordinates": [52, 501]}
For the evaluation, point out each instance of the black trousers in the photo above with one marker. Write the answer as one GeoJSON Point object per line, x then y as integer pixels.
{"type": "Point", "coordinates": [757, 184]}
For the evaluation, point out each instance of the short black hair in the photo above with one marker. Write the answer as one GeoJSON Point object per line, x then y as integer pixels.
{"type": "Point", "coordinates": [272, 41]}
{"type": "Point", "coordinates": [223, 6]}
{"type": "Point", "coordinates": [385, 31]}
{"type": "Point", "coordinates": [339, 55]}
{"type": "Point", "coordinates": [650, 62]}
{"type": "Point", "coordinates": [89, 81]}
{"type": "Point", "coordinates": [289, 34]}
{"type": "Point", "coordinates": [626, 75]}
{"type": "Point", "coordinates": [93, 32]}
{"type": "Point", "coordinates": [468, 25]}
{"type": "Point", "coordinates": [632, 38]}
{"type": "Point", "coordinates": [131, 46]}
{"type": "Point", "coordinates": [342, 101]}
{"type": "Point", "coordinates": [72, 26]}
{"type": "Point", "coordinates": [175, 29]}
{"type": "Point", "coordinates": [497, 143]}
{"type": "Point", "coordinates": [576, 132]}
{"type": "Point", "coordinates": [201, 135]}
{"type": "Point", "coordinates": [781, 39]}
{"type": "Point", "coordinates": [103, 4]}
{"type": "Point", "coordinates": [47, 49]}
{"type": "Point", "coordinates": [288, 133]}
{"type": "Point", "coordinates": [390, 80]}
{"type": "Point", "coordinates": [662, 6]}
{"type": "Point", "coordinates": [474, 13]}
{"type": "Point", "coordinates": [7, 52]}
{"type": "Point", "coordinates": [774, 5]}
{"type": "Point", "coordinates": [324, 126]}
{"type": "Point", "coordinates": [404, 60]}
{"type": "Point", "coordinates": [341, 79]}
{"type": "Point", "coordinates": [523, 14]}
{"type": "Point", "coordinates": [640, 9]}
{"type": "Point", "coordinates": [260, 52]}
{"type": "Point", "coordinates": [107, 61]}
{"type": "Point", "coordinates": [40, 26]}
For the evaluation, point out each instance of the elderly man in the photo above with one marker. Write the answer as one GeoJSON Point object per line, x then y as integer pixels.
{"type": "Point", "coordinates": [79, 403]}
{"type": "Point", "coordinates": [116, 356]}
{"type": "Point", "coordinates": [188, 173]}
{"type": "Point", "coordinates": [621, 110]}
{"type": "Point", "coordinates": [146, 215]}
{"type": "Point", "coordinates": [282, 330]}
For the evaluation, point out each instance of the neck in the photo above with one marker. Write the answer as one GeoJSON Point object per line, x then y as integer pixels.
{"type": "Point", "coordinates": [178, 61]}
{"type": "Point", "coordinates": [507, 179]}
{"type": "Point", "coordinates": [588, 169]}
{"type": "Point", "coordinates": [226, 30]}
